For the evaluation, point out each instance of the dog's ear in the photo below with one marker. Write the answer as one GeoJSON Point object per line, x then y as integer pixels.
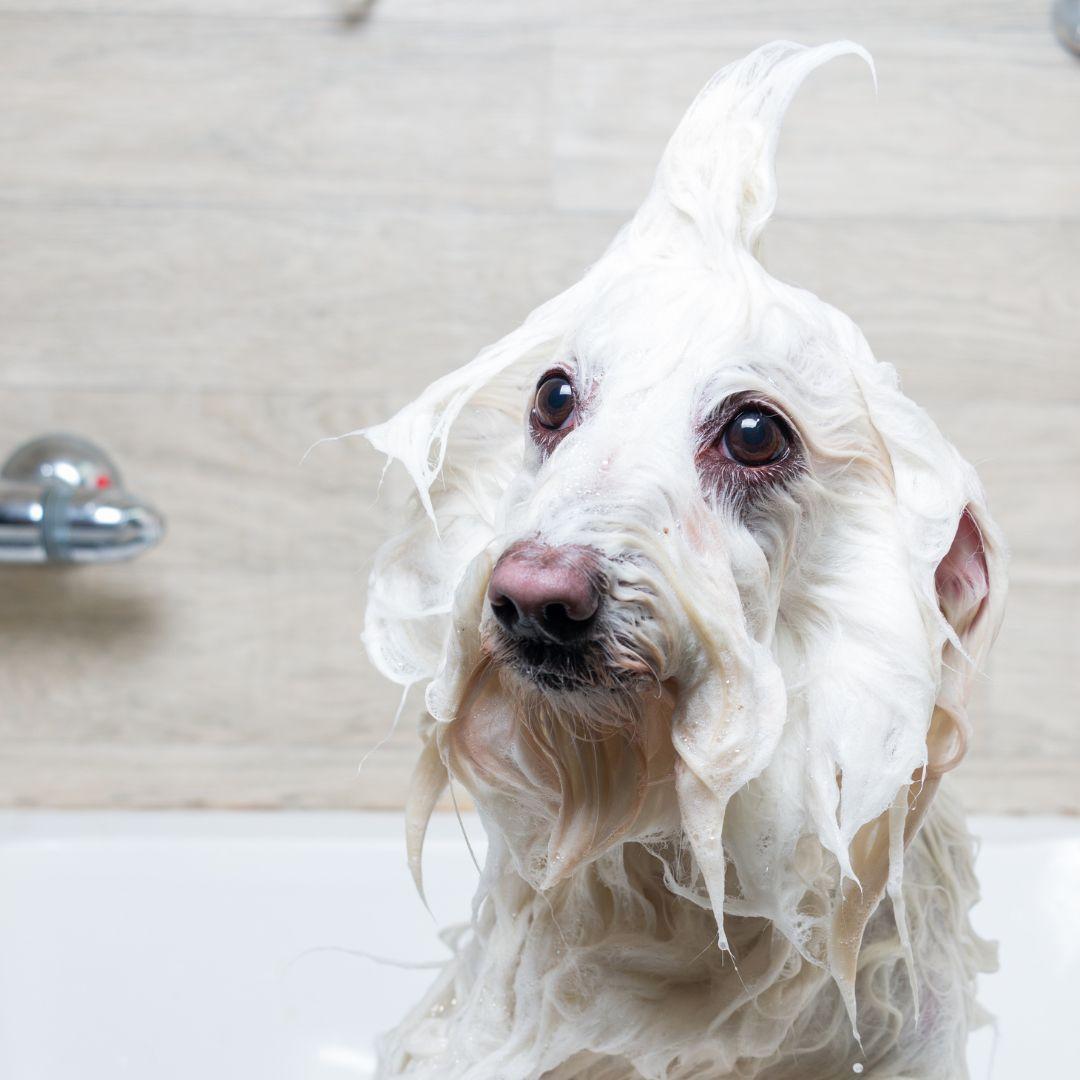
{"type": "Point", "coordinates": [963, 577]}
{"type": "Point", "coordinates": [966, 583]}
{"type": "Point", "coordinates": [956, 555]}
{"type": "Point", "coordinates": [955, 562]}
{"type": "Point", "coordinates": [715, 187]}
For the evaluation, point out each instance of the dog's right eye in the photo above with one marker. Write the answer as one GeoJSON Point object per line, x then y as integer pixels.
{"type": "Point", "coordinates": [554, 404]}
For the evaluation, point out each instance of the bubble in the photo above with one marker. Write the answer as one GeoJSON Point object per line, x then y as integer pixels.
{"type": "Point", "coordinates": [856, 1068]}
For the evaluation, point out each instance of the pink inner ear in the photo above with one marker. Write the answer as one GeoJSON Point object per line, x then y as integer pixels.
{"type": "Point", "coordinates": [962, 577]}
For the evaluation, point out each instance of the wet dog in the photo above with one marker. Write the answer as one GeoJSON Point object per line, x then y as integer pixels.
{"type": "Point", "coordinates": [697, 595]}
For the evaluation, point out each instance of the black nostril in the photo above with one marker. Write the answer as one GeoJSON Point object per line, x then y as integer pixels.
{"type": "Point", "coordinates": [557, 623]}
{"type": "Point", "coordinates": [505, 611]}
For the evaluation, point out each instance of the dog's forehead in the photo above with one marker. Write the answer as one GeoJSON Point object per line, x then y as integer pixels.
{"type": "Point", "coordinates": [687, 337]}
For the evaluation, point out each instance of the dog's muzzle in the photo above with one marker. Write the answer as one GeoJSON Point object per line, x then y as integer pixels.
{"type": "Point", "coordinates": [546, 601]}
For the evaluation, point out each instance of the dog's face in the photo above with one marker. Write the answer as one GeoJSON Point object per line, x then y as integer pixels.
{"type": "Point", "coordinates": [705, 577]}
{"type": "Point", "coordinates": [645, 459]}
{"type": "Point", "coordinates": [675, 448]}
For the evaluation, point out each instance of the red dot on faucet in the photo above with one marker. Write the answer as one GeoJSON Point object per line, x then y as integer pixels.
{"type": "Point", "coordinates": [103, 482]}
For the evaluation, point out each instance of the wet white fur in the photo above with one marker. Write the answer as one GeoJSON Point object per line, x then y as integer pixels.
{"type": "Point", "coordinates": [689, 882]}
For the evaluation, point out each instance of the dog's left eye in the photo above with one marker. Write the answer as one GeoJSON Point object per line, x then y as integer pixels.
{"type": "Point", "coordinates": [755, 437]}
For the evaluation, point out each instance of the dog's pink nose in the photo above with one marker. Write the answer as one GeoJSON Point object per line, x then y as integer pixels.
{"type": "Point", "coordinates": [547, 592]}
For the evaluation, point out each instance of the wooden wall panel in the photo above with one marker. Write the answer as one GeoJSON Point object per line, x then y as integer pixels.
{"type": "Point", "coordinates": [231, 228]}
{"type": "Point", "coordinates": [959, 127]}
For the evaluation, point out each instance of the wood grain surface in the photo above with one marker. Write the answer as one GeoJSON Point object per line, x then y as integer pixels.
{"type": "Point", "coordinates": [232, 228]}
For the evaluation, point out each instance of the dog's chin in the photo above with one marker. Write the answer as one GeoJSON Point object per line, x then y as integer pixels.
{"type": "Point", "coordinates": [568, 756]}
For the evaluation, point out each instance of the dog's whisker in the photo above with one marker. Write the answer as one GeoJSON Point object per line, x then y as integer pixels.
{"type": "Point", "coordinates": [461, 824]}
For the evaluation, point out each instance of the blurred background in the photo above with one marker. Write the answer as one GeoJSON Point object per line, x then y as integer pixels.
{"type": "Point", "coordinates": [229, 228]}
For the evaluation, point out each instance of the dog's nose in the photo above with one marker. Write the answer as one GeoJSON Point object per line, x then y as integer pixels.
{"type": "Point", "coordinates": [542, 591]}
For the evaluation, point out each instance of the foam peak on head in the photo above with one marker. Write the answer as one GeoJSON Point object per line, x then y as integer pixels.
{"type": "Point", "coordinates": [716, 183]}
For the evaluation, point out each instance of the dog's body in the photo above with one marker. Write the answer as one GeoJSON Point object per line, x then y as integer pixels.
{"type": "Point", "coordinates": [698, 638]}
{"type": "Point", "coordinates": [516, 1001]}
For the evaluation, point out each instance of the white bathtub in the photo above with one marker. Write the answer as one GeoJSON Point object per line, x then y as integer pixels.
{"type": "Point", "coordinates": [182, 946]}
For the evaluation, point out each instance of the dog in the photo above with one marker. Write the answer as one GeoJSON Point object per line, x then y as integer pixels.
{"type": "Point", "coordinates": [698, 597]}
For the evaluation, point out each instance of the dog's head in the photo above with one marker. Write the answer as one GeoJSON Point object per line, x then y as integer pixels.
{"type": "Point", "coordinates": [690, 568]}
